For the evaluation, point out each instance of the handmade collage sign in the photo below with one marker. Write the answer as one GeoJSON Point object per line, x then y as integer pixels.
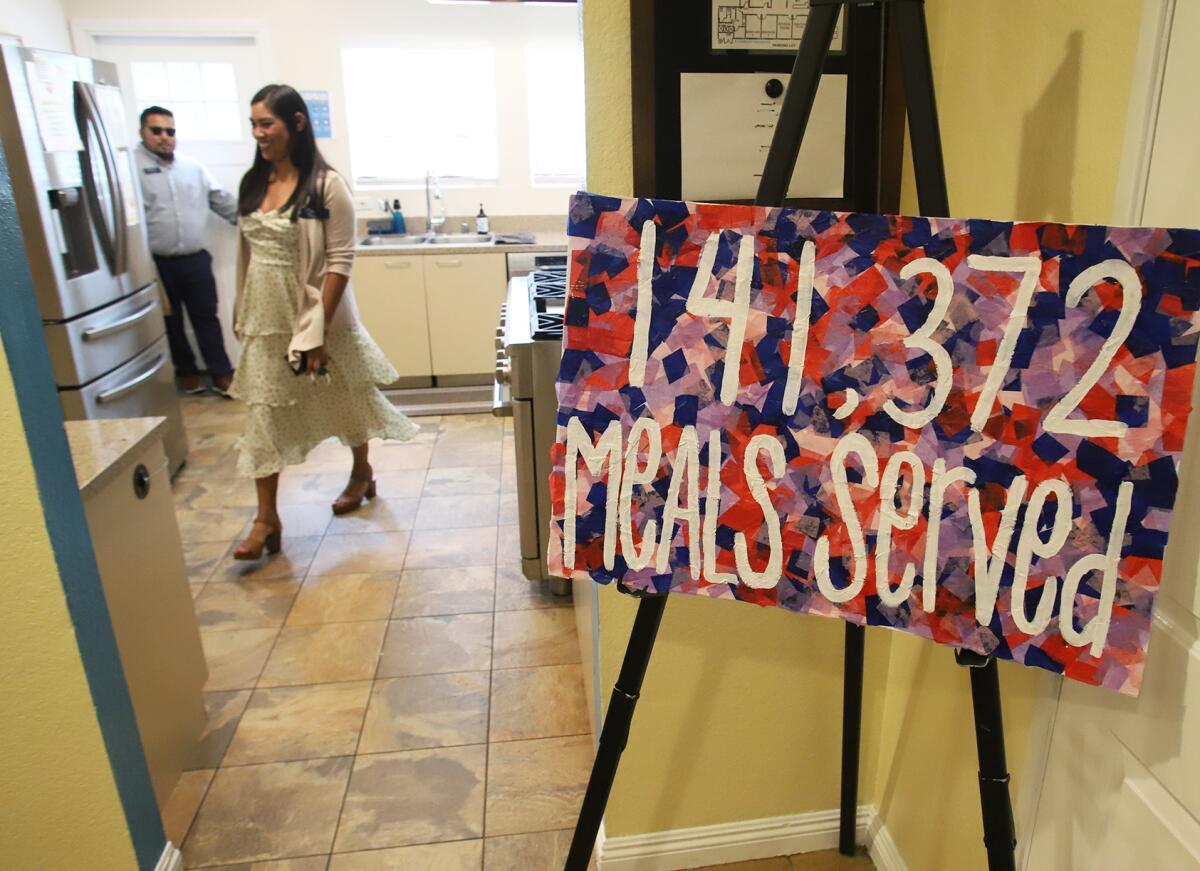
{"type": "Point", "coordinates": [965, 430]}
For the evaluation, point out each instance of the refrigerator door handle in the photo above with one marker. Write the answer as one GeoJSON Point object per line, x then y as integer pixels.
{"type": "Point", "coordinates": [88, 116]}
{"type": "Point", "coordinates": [132, 384]}
{"type": "Point", "coordinates": [93, 333]}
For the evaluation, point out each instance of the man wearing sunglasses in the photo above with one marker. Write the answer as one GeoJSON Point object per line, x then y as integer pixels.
{"type": "Point", "coordinates": [178, 194]}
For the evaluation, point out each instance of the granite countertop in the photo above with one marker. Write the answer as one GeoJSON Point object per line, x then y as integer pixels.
{"type": "Point", "coordinates": [98, 446]}
{"type": "Point", "coordinates": [545, 242]}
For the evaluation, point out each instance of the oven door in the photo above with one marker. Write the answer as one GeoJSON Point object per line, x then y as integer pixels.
{"type": "Point", "coordinates": [527, 491]}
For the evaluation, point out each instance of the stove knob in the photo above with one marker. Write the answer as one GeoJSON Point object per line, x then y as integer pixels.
{"type": "Point", "coordinates": [503, 376]}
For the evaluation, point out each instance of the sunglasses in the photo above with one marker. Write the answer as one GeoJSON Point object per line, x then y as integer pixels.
{"type": "Point", "coordinates": [159, 131]}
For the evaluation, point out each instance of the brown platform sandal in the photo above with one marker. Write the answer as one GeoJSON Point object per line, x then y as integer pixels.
{"type": "Point", "coordinates": [262, 536]}
{"type": "Point", "coordinates": [352, 497]}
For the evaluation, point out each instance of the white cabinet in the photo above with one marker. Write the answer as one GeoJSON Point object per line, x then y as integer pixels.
{"type": "Point", "coordinates": [463, 293]}
{"type": "Point", "coordinates": [433, 314]}
{"type": "Point", "coordinates": [390, 292]}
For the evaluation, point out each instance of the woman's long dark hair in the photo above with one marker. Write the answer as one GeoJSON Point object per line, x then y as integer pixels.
{"type": "Point", "coordinates": [284, 101]}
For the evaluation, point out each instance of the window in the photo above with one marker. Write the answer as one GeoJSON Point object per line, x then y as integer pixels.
{"type": "Point", "coordinates": [202, 96]}
{"type": "Point", "coordinates": [418, 110]}
{"type": "Point", "coordinates": [556, 121]}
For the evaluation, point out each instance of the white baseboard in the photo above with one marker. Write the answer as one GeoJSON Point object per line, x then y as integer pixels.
{"type": "Point", "coordinates": [745, 840]}
{"type": "Point", "coordinates": [881, 848]}
{"type": "Point", "coordinates": [170, 860]}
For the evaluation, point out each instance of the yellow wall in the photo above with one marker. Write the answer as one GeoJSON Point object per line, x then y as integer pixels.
{"type": "Point", "coordinates": [606, 82]}
{"type": "Point", "coordinates": [739, 717]}
{"type": "Point", "coordinates": [58, 800]}
{"type": "Point", "coordinates": [1032, 98]}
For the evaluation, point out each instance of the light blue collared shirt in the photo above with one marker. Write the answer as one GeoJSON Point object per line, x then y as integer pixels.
{"type": "Point", "coordinates": [178, 194]}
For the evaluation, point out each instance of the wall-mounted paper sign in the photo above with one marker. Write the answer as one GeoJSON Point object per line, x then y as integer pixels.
{"type": "Point", "coordinates": [318, 113]}
{"type": "Point", "coordinates": [763, 25]}
{"type": "Point", "coordinates": [966, 430]}
{"type": "Point", "coordinates": [728, 166]}
{"type": "Point", "coordinates": [51, 87]}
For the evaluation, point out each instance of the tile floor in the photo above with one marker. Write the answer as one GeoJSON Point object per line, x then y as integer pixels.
{"type": "Point", "coordinates": [389, 692]}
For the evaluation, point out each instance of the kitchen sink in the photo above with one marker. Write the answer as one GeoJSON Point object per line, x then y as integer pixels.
{"type": "Point", "coordinates": [393, 241]}
{"type": "Point", "coordinates": [388, 240]}
{"type": "Point", "coordinates": [462, 239]}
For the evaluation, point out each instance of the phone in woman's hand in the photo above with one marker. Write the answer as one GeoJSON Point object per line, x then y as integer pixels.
{"type": "Point", "coordinates": [302, 366]}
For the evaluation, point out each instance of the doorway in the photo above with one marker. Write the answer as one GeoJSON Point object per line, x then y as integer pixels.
{"type": "Point", "coordinates": [207, 81]}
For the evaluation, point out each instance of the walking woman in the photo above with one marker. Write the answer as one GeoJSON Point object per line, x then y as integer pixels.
{"type": "Point", "coordinates": [308, 370]}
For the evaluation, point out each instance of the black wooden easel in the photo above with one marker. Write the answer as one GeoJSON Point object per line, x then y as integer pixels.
{"type": "Point", "coordinates": [998, 829]}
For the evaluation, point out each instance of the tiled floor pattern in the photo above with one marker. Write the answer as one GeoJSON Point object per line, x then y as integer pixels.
{"type": "Point", "coordinates": [389, 692]}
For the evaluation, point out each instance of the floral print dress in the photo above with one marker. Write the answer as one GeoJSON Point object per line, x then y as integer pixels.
{"type": "Point", "coordinates": [290, 414]}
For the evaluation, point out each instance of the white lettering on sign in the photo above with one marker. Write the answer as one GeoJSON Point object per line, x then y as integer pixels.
{"type": "Point", "coordinates": [712, 511]}
{"type": "Point", "coordinates": [1127, 277]}
{"type": "Point", "coordinates": [631, 476]}
{"type": "Point", "coordinates": [942, 480]}
{"type": "Point", "coordinates": [736, 312]}
{"type": "Point", "coordinates": [687, 462]}
{"type": "Point", "coordinates": [768, 577]}
{"type": "Point", "coordinates": [990, 565]}
{"type": "Point", "coordinates": [857, 444]}
{"type": "Point", "coordinates": [1095, 632]}
{"type": "Point", "coordinates": [922, 338]}
{"type": "Point", "coordinates": [1030, 269]}
{"type": "Point", "coordinates": [799, 346]}
{"type": "Point", "coordinates": [690, 513]}
{"type": "Point", "coordinates": [1032, 544]}
{"type": "Point", "coordinates": [890, 518]}
{"type": "Point", "coordinates": [645, 303]}
{"type": "Point", "coordinates": [606, 451]}
{"type": "Point", "coordinates": [606, 455]}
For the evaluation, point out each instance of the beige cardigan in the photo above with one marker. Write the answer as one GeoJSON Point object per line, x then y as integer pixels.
{"type": "Point", "coordinates": [326, 245]}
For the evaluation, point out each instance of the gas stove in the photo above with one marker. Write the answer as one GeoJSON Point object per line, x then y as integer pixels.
{"type": "Point", "coordinates": [528, 352]}
{"type": "Point", "coordinates": [547, 289]}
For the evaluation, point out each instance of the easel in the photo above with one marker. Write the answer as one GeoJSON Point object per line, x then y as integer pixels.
{"type": "Point", "coordinates": [999, 832]}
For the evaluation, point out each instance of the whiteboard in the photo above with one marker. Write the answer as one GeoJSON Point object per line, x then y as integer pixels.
{"type": "Point", "coordinates": [726, 124]}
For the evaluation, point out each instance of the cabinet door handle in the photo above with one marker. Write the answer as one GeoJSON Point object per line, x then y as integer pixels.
{"type": "Point", "coordinates": [448, 264]}
{"type": "Point", "coordinates": [397, 264]}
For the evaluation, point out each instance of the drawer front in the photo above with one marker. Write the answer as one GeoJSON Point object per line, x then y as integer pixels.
{"type": "Point", "coordinates": [463, 294]}
{"type": "Point", "coordinates": [83, 349]}
{"type": "Point", "coordinates": [390, 294]}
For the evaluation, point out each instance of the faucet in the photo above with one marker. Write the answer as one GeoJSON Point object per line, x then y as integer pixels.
{"type": "Point", "coordinates": [433, 193]}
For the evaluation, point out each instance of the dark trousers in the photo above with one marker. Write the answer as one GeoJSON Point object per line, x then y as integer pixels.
{"type": "Point", "coordinates": [189, 283]}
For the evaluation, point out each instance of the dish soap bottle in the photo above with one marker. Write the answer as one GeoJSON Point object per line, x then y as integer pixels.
{"type": "Point", "coordinates": [398, 226]}
{"type": "Point", "coordinates": [481, 221]}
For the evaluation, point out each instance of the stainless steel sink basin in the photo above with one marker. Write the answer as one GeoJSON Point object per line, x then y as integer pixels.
{"type": "Point", "coordinates": [389, 240]}
{"type": "Point", "coordinates": [462, 239]}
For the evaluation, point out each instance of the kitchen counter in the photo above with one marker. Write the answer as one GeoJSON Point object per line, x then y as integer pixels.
{"type": "Point", "coordinates": [98, 446]}
{"type": "Point", "coordinates": [545, 242]}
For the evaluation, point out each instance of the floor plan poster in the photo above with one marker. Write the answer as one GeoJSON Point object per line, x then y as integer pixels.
{"type": "Point", "coordinates": [762, 25]}
{"type": "Point", "coordinates": [965, 430]}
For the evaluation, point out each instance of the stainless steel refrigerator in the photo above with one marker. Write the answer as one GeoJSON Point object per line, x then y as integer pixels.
{"type": "Point", "coordinates": [69, 150]}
